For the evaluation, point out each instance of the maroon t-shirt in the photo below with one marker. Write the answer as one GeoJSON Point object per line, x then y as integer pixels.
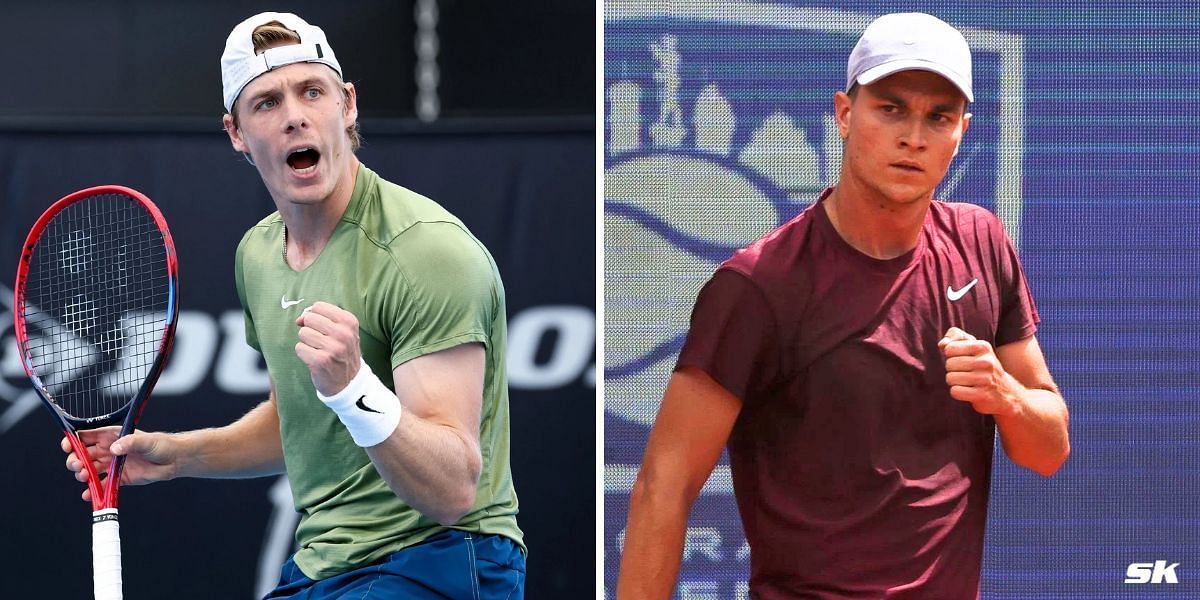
{"type": "Point", "coordinates": [856, 474]}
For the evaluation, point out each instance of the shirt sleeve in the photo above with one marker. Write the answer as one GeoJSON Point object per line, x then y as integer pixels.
{"type": "Point", "coordinates": [1018, 313]}
{"type": "Point", "coordinates": [733, 337]}
{"type": "Point", "coordinates": [443, 290]}
{"type": "Point", "coordinates": [240, 281]}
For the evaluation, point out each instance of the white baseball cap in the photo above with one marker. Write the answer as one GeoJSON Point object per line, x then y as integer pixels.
{"type": "Point", "coordinates": [910, 41]}
{"type": "Point", "coordinates": [240, 65]}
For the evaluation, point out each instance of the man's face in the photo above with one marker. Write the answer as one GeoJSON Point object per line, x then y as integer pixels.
{"type": "Point", "coordinates": [292, 122]}
{"type": "Point", "coordinates": [901, 133]}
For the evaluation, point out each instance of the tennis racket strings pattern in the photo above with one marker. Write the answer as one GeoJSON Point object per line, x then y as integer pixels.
{"type": "Point", "coordinates": [95, 311]}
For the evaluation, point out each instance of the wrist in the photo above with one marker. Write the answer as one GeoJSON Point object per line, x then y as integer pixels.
{"type": "Point", "coordinates": [193, 458]}
{"type": "Point", "coordinates": [368, 409]}
{"type": "Point", "coordinates": [1014, 395]}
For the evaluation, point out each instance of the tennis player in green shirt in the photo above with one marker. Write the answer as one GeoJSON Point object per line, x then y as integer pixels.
{"type": "Point", "coordinates": [382, 323]}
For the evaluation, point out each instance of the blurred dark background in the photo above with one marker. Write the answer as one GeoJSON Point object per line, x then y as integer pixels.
{"type": "Point", "coordinates": [128, 92]}
{"type": "Point", "coordinates": [78, 59]}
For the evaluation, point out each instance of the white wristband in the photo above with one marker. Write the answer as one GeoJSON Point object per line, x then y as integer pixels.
{"type": "Point", "coordinates": [368, 409]}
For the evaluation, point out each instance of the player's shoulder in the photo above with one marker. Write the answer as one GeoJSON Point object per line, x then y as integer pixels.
{"type": "Point", "coordinates": [966, 221]}
{"type": "Point", "coordinates": [259, 233]}
{"type": "Point", "coordinates": [775, 248]}
{"type": "Point", "coordinates": [415, 232]}
{"type": "Point", "coordinates": [963, 212]}
{"type": "Point", "coordinates": [389, 214]}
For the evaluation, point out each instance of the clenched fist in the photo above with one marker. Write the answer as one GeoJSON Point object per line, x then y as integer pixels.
{"type": "Point", "coordinates": [329, 346]}
{"type": "Point", "coordinates": [975, 374]}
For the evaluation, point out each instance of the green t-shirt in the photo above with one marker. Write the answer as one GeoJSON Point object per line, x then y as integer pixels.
{"type": "Point", "coordinates": [418, 282]}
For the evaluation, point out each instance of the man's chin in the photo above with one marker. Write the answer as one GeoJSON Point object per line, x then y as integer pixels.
{"type": "Point", "coordinates": [301, 191]}
{"type": "Point", "coordinates": [904, 195]}
{"type": "Point", "coordinates": [308, 196]}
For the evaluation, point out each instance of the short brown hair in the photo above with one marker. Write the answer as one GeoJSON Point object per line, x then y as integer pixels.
{"type": "Point", "coordinates": [272, 34]}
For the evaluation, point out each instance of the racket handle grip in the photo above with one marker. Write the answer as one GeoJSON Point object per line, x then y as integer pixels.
{"type": "Point", "coordinates": [106, 554]}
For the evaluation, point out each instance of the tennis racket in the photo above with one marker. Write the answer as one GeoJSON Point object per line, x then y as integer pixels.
{"type": "Point", "coordinates": [95, 311]}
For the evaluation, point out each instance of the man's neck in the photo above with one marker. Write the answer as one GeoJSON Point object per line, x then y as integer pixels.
{"type": "Point", "coordinates": [309, 227]}
{"type": "Point", "coordinates": [872, 224]}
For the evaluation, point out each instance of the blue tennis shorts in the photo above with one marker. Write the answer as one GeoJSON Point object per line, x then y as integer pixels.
{"type": "Point", "coordinates": [452, 564]}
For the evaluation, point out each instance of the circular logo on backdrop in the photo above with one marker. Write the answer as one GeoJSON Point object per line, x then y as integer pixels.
{"type": "Point", "coordinates": [688, 180]}
{"type": "Point", "coordinates": [719, 127]}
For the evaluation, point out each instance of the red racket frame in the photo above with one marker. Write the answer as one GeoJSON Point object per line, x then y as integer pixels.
{"type": "Point", "coordinates": [102, 496]}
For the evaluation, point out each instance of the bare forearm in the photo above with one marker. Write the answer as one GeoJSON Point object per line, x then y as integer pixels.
{"type": "Point", "coordinates": [692, 427]}
{"type": "Point", "coordinates": [432, 467]}
{"type": "Point", "coordinates": [1035, 436]}
{"type": "Point", "coordinates": [429, 421]}
{"type": "Point", "coordinates": [248, 447]}
{"type": "Point", "coordinates": [653, 546]}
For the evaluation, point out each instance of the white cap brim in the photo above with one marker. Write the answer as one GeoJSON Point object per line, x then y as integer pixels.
{"type": "Point", "coordinates": [888, 68]}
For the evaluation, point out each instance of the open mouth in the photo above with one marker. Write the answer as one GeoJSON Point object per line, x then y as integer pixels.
{"type": "Point", "coordinates": [303, 160]}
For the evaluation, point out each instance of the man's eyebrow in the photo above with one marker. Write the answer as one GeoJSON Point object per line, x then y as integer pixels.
{"type": "Point", "coordinates": [275, 90]}
{"type": "Point", "coordinates": [265, 93]}
{"type": "Point", "coordinates": [311, 81]}
{"type": "Point", "coordinates": [948, 107]}
{"type": "Point", "coordinates": [944, 107]}
{"type": "Point", "coordinates": [889, 97]}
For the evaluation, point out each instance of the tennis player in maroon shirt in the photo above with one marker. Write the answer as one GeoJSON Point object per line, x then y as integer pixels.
{"type": "Point", "coordinates": [858, 362]}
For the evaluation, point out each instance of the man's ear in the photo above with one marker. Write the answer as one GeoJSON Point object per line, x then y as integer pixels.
{"type": "Point", "coordinates": [351, 99]}
{"type": "Point", "coordinates": [841, 112]}
{"type": "Point", "coordinates": [966, 122]}
{"type": "Point", "coordinates": [235, 136]}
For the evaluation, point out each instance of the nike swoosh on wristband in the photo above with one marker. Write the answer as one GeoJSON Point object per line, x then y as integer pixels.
{"type": "Point", "coordinates": [284, 303]}
{"type": "Point", "coordinates": [363, 405]}
{"type": "Point", "coordinates": [954, 294]}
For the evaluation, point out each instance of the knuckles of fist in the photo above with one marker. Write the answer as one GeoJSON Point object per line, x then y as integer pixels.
{"type": "Point", "coordinates": [327, 329]}
{"type": "Point", "coordinates": [328, 345]}
{"type": "Point", "coordinates": [973, 372]}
